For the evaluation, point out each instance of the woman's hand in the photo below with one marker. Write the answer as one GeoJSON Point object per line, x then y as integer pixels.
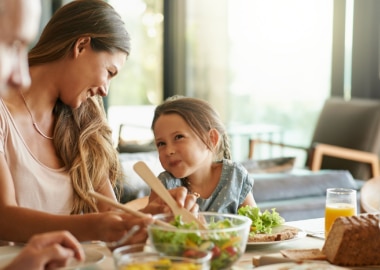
{"type": "Point", "coordinates": [114, 225]}
{"type": "Point", "coordinates": [48, 251]}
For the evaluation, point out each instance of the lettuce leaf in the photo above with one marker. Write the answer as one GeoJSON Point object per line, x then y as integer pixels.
{"type": "Point", "coordinates": [262, 222]}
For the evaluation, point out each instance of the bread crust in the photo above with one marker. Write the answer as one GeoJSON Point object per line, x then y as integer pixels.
{"type": "Point", "coordinates": [284, 233]}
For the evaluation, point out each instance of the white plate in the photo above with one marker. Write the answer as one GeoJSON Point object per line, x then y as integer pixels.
{"type": "Point", "coordinates": [300, 234]}
{"type": "Point", "coordinates": [92, 257]}
{"type": "Point", "coordinates": [302, 266]}
{"type": "Point", "coordinates": [7, 253]}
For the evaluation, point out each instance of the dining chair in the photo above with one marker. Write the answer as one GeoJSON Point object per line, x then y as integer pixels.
{"type": "Point", "coordinates": [143, 142]}
{"type": "Point", "coordinates": [346, 137]}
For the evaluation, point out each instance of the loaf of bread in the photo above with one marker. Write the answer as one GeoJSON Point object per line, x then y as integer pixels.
{"type": "Point", "coordinates": [354, 241]}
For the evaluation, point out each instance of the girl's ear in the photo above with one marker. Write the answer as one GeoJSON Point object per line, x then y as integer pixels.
{"type": "Point", "coordinates": [214, 136]}
{"type": "Point", "coordinates": [81, 44]}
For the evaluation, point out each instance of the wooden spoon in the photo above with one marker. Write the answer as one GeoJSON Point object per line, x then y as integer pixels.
{"type": "Point", "coordinates": [155, 184]}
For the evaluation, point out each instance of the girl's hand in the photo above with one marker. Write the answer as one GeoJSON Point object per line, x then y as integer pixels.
{"type": "Point", "coordinates": [184, 199]}
{"type": "Point", "coordinates": [180, 194]}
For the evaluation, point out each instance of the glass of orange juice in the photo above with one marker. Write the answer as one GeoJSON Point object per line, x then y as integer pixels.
{"type": "Point", "coordinates": [339, 202]}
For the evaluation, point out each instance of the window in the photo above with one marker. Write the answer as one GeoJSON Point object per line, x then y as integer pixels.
{"type": "Point", "coordinates": [261, 63]}
{"type": "Point", "coordinates": [140, 80]}
{"type": "Point", "coordinates": [265, 65]}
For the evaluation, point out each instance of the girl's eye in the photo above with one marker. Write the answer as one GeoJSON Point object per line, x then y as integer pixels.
{"type": "Point", "coordinates": [159, 144]}
{"type": "Point", "coordinates": [179, 136]}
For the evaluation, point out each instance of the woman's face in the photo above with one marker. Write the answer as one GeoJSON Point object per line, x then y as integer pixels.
{"type": "Point", "coordinates": [88, 74]}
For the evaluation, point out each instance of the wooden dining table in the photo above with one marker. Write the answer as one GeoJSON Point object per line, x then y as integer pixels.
{"type": "Point", "coordinates": [269, 252]}
{"type": "Point", "coordinates": [264, 254]}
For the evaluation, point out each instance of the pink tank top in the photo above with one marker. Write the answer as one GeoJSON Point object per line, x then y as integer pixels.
{"type": "Point", "coordinates": [37, 186]}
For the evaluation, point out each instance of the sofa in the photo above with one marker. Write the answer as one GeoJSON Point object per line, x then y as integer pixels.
{"type": "Point", "coordinates": [300, 194]}
{"type": "Point", "coordinates": [295, 194]}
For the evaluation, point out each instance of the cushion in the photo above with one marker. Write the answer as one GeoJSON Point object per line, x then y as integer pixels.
{"type": "Point", "coordinates": [299, 183]}
{"type": "Point", "coordinates": [272, 165]}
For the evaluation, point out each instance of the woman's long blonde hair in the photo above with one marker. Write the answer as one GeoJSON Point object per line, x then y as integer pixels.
{"type": "Point", "coordinates": [82, 136]}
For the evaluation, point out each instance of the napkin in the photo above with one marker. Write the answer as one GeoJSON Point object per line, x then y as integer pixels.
{"type": "Point", "coordinates": [290, 255]}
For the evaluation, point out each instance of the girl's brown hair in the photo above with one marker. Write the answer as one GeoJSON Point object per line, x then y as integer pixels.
{"type": "Point", "coordinates": [82, 136]}
{"type": "Point", "coordinates": [201, 118]}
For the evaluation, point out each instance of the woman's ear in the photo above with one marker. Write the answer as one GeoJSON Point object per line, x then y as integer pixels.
{"type": "Point", "coordinates": [214, 136]}
{"type": "Point", "coordinates": [81, 44]}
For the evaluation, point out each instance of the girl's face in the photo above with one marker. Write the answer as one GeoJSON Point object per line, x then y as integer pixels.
{"type": "Point", "coordinates": [181, 151]}
{"type": "Point", "coordinates": [89, 74]}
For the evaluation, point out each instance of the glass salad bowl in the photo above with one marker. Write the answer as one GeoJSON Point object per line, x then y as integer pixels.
{"type": "Point", "coordinates": [226, 236]}
{"type": "Point", "coordinates": [146, 257]}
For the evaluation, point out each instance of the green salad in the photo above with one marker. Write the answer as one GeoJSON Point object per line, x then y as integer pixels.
{"type": "Point", "coordinates": [225, 246]}
{"type": "Point", "coordinates": [262, 222]}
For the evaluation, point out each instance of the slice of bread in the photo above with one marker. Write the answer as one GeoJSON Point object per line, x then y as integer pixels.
{"type": "Point", "coordinates": [303, 254]}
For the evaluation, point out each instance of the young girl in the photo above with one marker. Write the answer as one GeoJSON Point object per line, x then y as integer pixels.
{"type": "Point", "coordinates": [194, 150]}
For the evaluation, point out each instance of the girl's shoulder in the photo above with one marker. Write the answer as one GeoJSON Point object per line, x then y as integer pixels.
{"type": "Point", "coordinates": [234, 166]}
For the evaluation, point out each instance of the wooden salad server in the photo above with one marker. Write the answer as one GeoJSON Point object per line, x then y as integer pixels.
{"type": "Point", "coordinates": [125, 208]}
{"type": "Point", "coordinates": [155, 184]}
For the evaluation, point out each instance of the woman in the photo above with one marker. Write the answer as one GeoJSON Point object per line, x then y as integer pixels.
{"type": "Point", "coordinates": [55, 143]}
